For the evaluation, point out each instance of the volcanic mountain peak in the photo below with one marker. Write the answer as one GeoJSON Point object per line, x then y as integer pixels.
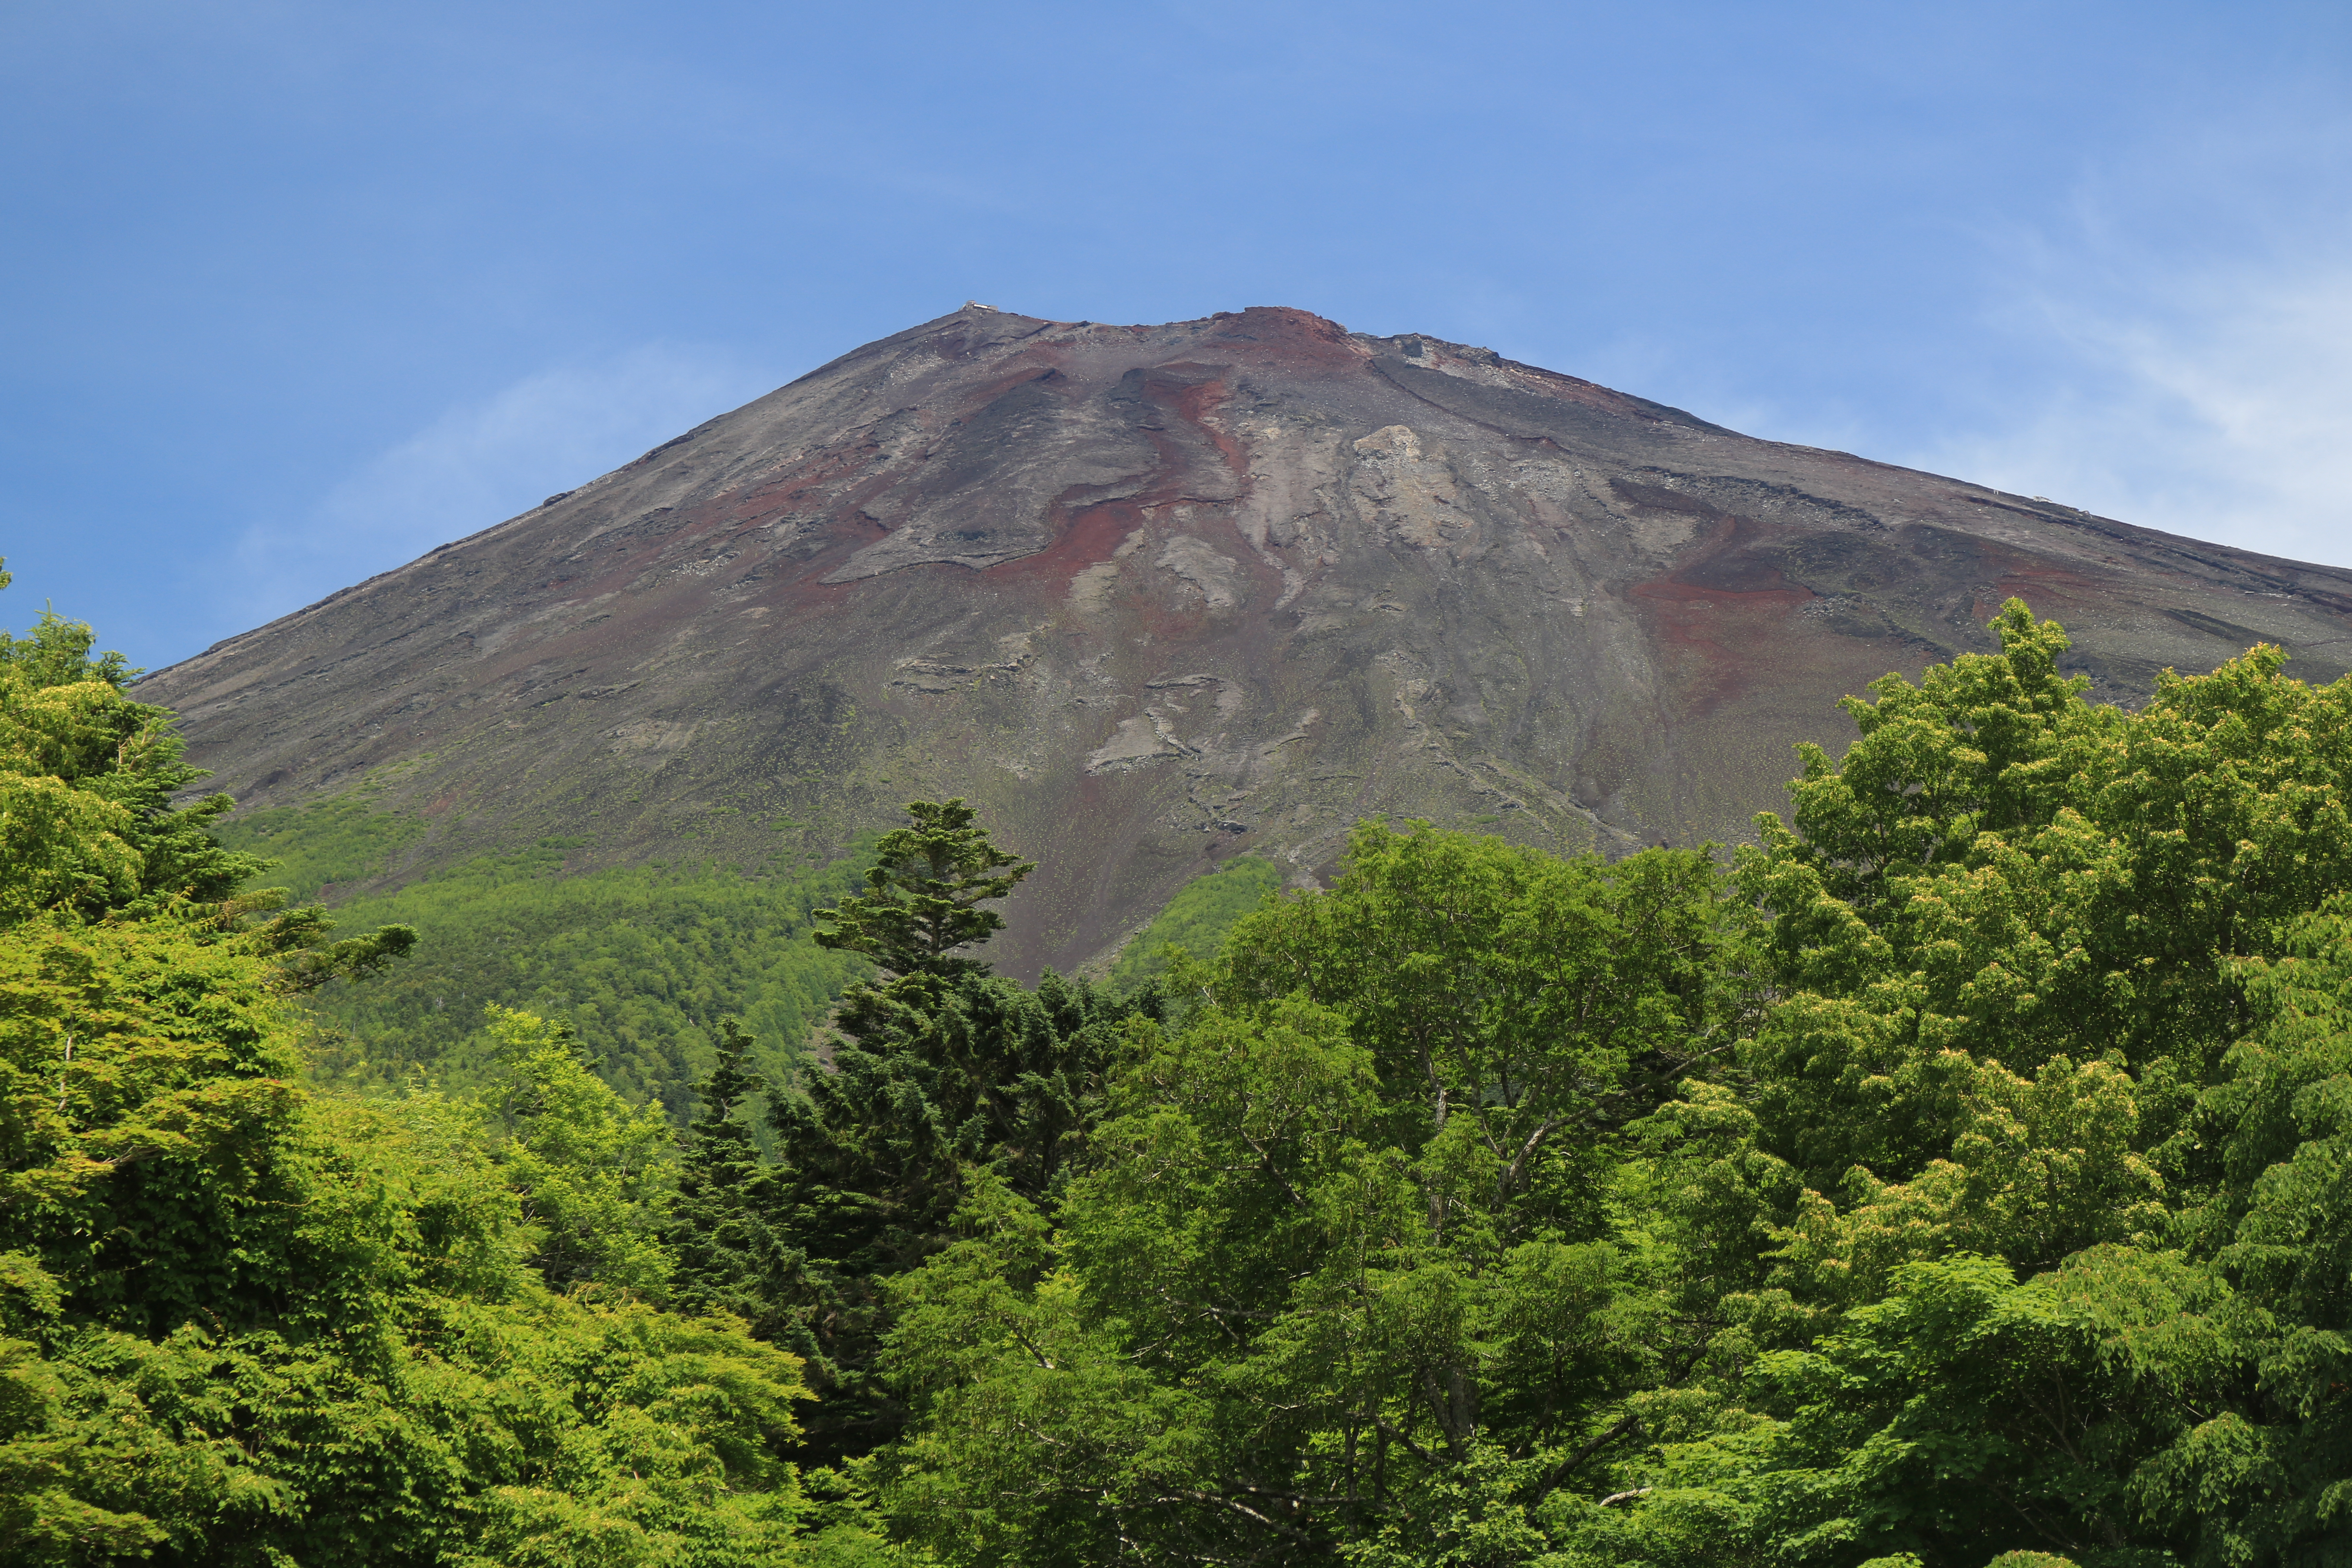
{"type": "Point", "coordinates": [1154, 595]}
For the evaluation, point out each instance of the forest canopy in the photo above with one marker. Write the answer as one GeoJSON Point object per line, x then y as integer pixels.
{"type": "Point", "coordinates": [1955, 1176]}
{"type": "Point", "coordinates": [644, 961]}
{"type": "Point", "coordinates": [244, 1323]}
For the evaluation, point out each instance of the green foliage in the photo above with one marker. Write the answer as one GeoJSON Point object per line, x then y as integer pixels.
{"type": "Point", "coordinates": [2000, 869]}
{"type": "Point", "coordinates": [238, 1321]}
{"type": "Point", "coordinates": [642, 963]}
{"type": "Point", "coordinates": [57, 653]}
{"type": "Point", "coordinates": [1198, 918]}
{"type": "Point", "coordinates": [1961, 1180]}
{"type": "Point", "coordinates": [1965, 1413]}
{"type": "Point", "coordinates": [1344, 1233]}
{"type": "Point", "coordinates": [595, 1176]}
{"type": "Point", "coordinates": [1495, 985]}
{"type": "Point", "coordinates": [938, 1080]}
{"type": "Point", "coordinates": [353, 958]}
{"type": "Point", "coordinates": [731, 1255]}
{"type": "Point", "coordinates": [240, 1324]}
{"type": "Point", "coordinates": [938, 1077]}
{"type": "Point", "coordinates": [87, 777]}
{"type": "Point", "coordinates": [923, 894]}
{"type": "Point", "coordinates": [87, 830]}
{"type": "Point", "coordinates": [344, 838]}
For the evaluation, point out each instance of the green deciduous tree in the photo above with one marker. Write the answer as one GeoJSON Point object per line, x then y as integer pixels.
{"type": "Point", "coordinates": [87, 777]}
{"type": "Point", "coordinates": [2058, 986]}
{"type": "Point", "coordinates": [596, 1176]}
{"type": "Point", "coordinates": [1349, 1241]}
{"type": "Point", "coordinates": [1960, 1182]}
{"type": "Point", "coordinates": [243, 1324]}
{"type": "Point", "coordinates": [88, 828]}
{"type": "Point", "coordinates": [239, 1321]}
{"type": "Point", "coordinates": [1999, 868]}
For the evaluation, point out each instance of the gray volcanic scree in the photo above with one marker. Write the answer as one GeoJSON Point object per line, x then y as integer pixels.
{"type": "Point", "coordinates": [1153, 596]}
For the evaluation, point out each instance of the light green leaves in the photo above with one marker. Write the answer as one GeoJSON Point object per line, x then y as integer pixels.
{"type": "Point", "coordinates": [595, 1176]}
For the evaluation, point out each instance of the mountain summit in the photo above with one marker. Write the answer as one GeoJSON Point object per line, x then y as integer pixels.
{"type": "Point", "coordinates": [1152, 596]}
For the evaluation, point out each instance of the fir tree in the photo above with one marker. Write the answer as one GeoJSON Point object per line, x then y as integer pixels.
{"type": "Point", "coordinates": [927, 883]}
{"type": "Point", "coordinates": [730, 1258]}
{"type": "Point", "coordinates": [941, 1070]}
{"type": "Point", "coordinates": [937, 1081]}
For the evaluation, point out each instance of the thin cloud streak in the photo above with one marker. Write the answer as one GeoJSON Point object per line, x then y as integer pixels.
{"type": "Point", "coordinates": [483, 462]}
{"type": "Point", "coordinates": [2218, 410]}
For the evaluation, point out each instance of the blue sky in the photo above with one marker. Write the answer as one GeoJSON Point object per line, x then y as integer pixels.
{"type": "Point", "coordinates": [292, 292]}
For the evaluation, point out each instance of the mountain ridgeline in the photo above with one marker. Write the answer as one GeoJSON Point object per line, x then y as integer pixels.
{"type": "Point", "coordinates": [1152, 598]}
{"type": "Point", "coordinates": [1075, 945]}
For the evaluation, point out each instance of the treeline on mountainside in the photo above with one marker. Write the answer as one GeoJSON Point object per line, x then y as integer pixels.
{"type": "Point", "coordinates": [645, 963]}
{"type": "Point", "coordinates": [1955, 1177]}
{"type": "Point", "coordinates": [1197, 920]}
{"type": "Point", "coordinates": [642, 961]}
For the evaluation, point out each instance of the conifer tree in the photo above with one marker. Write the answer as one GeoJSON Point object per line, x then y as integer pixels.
{"type": "Point", "coordinates": [940, 1070]}
{"type": "Point", "coordinates": [927, 883]}
{"type": "Point", "coordinates": [729, 1258]}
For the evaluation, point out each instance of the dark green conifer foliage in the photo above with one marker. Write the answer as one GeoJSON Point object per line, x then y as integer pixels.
{"type": "Point", "coordinates": [729, 1258]}
{"type": "Point", "coordinates": [942, 1071]}
{"type": "Point", "coordinates": [719, 1159]}
{"type": "Point", "coordinates": [938, 1078]}
{"type": "Point", "coordinates": [929, 881]}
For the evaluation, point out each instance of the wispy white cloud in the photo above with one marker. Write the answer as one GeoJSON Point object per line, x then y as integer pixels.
{"type": "Point", "coordinates": [485, 461]}
{"type": "Point", "coordinates": [2216, 405]}
{"type": "Point", "coordinates": [2188, 320]}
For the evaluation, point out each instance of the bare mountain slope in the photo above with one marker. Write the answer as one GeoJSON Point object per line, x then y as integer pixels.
{"type": "Point", "coordinates": [1156, 594]}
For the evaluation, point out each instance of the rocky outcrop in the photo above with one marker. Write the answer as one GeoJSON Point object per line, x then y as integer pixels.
{"type": "Point", "coordinates": [1155, 594]}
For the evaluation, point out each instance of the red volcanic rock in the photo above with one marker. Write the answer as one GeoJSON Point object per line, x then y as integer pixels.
{"type": "Point", "coordinates": [1155, 594]}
